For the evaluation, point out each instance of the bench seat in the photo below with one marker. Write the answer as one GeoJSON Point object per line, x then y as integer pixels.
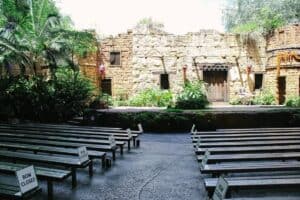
{"type": "Point", "coordinates": [8, 191]}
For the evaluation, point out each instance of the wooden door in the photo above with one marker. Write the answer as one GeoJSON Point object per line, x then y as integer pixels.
{"type": "Point", "coordinates": [106, 86]}
{"type": "Point", "coordinates": [216, 85]}
{"type": "Point", "coordinates": [282, 89]}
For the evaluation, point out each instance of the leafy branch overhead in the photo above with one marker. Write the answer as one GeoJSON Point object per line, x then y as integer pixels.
{"type": "Point", "coordinates": [33, 34]}
{"type": "Point", "coordinates": [262, 16]}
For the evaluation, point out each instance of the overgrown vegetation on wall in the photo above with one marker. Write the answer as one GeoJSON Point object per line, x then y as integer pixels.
{"type": "Point", "coordinates": [262, 16]}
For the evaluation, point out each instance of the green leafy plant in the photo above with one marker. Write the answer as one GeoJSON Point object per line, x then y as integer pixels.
{"type": "Point", "coordinates": [152, 97]}
{"type": "Point", "coordinates": [245, 100]}
{"type": "Point", "coordinates": [193, 96]}
{"type": "Point", "coordinates": [101, 101]}
{"type": "Point", "coordinates": [37, 99]}
{"type": "Point", "coordinates": [265, 97]}
{"type": "Point", "coordinates": [293, 101]}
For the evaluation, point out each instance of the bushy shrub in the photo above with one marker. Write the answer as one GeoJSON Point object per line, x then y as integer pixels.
{"type": "Point", "coordinates": [245, 100]}
{"type": "Point", "coordinates": [101, 101]}
{"type": "Point", "coordinates": [152, 97]}
{"type": "Point", "coordinates": [293, 101]}
{"type": "Point", "coordinates": [193, 96]}
{"type": "Point", "coordinates": [36, 99]}
{"type": "Point", "coordinates": [265, 97]}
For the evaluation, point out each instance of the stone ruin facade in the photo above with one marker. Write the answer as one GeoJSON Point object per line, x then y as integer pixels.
{"type": "Point", "coordinates": [231, 65]}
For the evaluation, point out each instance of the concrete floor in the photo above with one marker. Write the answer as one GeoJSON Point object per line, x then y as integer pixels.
{"type": "Point", "coordinates": [163, 168]}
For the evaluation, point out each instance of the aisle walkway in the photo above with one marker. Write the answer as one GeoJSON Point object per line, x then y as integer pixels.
{"type": "Point", "coordinates": [163, 168]}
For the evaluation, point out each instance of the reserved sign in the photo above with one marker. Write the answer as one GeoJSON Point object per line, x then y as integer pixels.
{"type": "Point", "coordinates": [221, 189]}
{"type": "Point", "coordinates": [83, 154]}
{"type": "Point", "coordinates": [27, 179]}
{"type": "Point", "coordinates": [112, 140]}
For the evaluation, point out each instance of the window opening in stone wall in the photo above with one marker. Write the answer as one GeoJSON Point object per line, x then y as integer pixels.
{"type": "Point", "coordinates": [106, 86]}
{"type": "Point", "coordinates": [258, 79]}
{"type": "Point", "coordinates": [164, 82]}
{"type": "Point", "coordinates": [115, 58]}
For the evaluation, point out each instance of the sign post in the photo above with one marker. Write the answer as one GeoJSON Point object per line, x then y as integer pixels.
{"type": "Point", "coordinates": [112, 140]}
{"type": "Point", "coordinates": [27, 179]}
{"type": "Point", "coordinates": [221, 189]}
{"type": "Point", "coordinates": [83, 154]}
{"type": "Point", "coordinates": [205, 159]}
{"type": "Point", "coordinates": [128, 132]}
{"type": "Point", "coordinates": [140, 127]}
{"type": "Point", "coordinates": [193, 128]}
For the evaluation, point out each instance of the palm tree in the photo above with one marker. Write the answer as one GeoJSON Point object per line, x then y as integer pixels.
{"type": "Point", "coordinates": [33, 34]}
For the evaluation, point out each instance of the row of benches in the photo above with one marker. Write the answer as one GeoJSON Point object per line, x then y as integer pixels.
{"type": "Point", "coordinates": [245, 156]}
{"type": "Point", "coordinates": [57, 146]}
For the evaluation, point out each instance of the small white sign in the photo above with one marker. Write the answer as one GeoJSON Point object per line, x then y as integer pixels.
{"type": "Point", "coordinates": [129, 132]}
{"type": "Point", "coordinates": [193, 129]}
{"type": "Point", "coordinates": [205, 159]}
{"type": "Point", "coordinates": [112, 140]}
{"type": "Point", "coordinates": [221, 189]}
{"type": "Point", "coordinates": [83, 154]}
{"type": "Point", "coordinates": [27, 179]}
{"type": "Point", "coordinates": [140, 127]}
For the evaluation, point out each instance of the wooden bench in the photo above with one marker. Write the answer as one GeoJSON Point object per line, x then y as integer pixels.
{"type": "Point", "coordinates": [71, 134]}
{"type": "Point", "coordinates": [64, 139]}
{"type": "Point", "coordinates": [237, 167]}
{"type": "Point", "coordinates": [47, 126]}
{"type": "Point", "coordinates": [245, 135]}
{"type": "Point", "coordinates": [67, 162]}
{"type": "Point", "coordinates": [240, 132]}
{"type": "Point", "coordinates": [259, 129]}
{"type": "Point", "coordinates": [44, 173]}
{"type": "Point", "coordinates": [266, 138]}
{"type": "Point", "coordinates": [254, 182]}
{"type": "Point", "coordinates": [254, 149]}
{"type": "Point", "coordinates": [12, 192]}
{"type": "Point", "coordinates": [63, 143]}
{"type": "Point", "coordinates": [53, 150]}
{"type": "Point", "coordinates": [251, 157]}
{"type": "Point", "coordinates": [248, 143]}
{"type": "Point", "coordinates": [73, 131]}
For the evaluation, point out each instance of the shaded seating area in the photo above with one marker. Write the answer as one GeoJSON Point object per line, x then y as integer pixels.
{"type": "Point", "coordinates": [58, 151]}
{"type": "Point", "coordinates": [249, 159]}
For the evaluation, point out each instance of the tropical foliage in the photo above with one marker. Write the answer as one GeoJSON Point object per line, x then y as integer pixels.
{"type": "Point", "coordinates": [55, 100]}
{"type": "Point", "coordinates": [152, 97]}
{"type": "Point", "coordinates": [257, 15]}
{"type": "Point", "coordinates": [34, 35]}
{"type": "Point", "coordinates": [193, 96]}
{"type": "Point", "coordinates": [293, 101]}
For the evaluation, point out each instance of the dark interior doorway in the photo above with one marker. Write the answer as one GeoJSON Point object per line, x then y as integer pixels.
{"type": "Point", "coordinates": [216, 85]}
{"type": "Point", "coordinates": [106, 86]}
{"type": "Point", "coordinates": [281, 89]}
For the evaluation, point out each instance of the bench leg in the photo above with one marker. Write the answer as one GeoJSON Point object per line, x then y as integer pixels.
{"type": "Point", "coordinates": [134, 143]}
{"type": "Point", "coordinates": [114, 155]}
{"type": "Point", "coordinates": [128, 145]}
{"type": "Point", "coordinates": [103, 162]}
{"type": "Point", "coordinates": [91, 168]}
{"type": "Point", "coordinates": [121, 149]}
{"type": "Point", "coordinates": [50, 189]}
{"type": "Point", "coordinates": [74, 177]}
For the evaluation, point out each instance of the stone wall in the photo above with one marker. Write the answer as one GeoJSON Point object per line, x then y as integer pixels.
{"type": "Point", "coordinates": [146, 54]}
{"type": "Point", "coordinates": [205, 47]}
{"type": "Point", "coordinates": [286, 39]}
{"type": "Point", "coordinates": [120, 75]}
